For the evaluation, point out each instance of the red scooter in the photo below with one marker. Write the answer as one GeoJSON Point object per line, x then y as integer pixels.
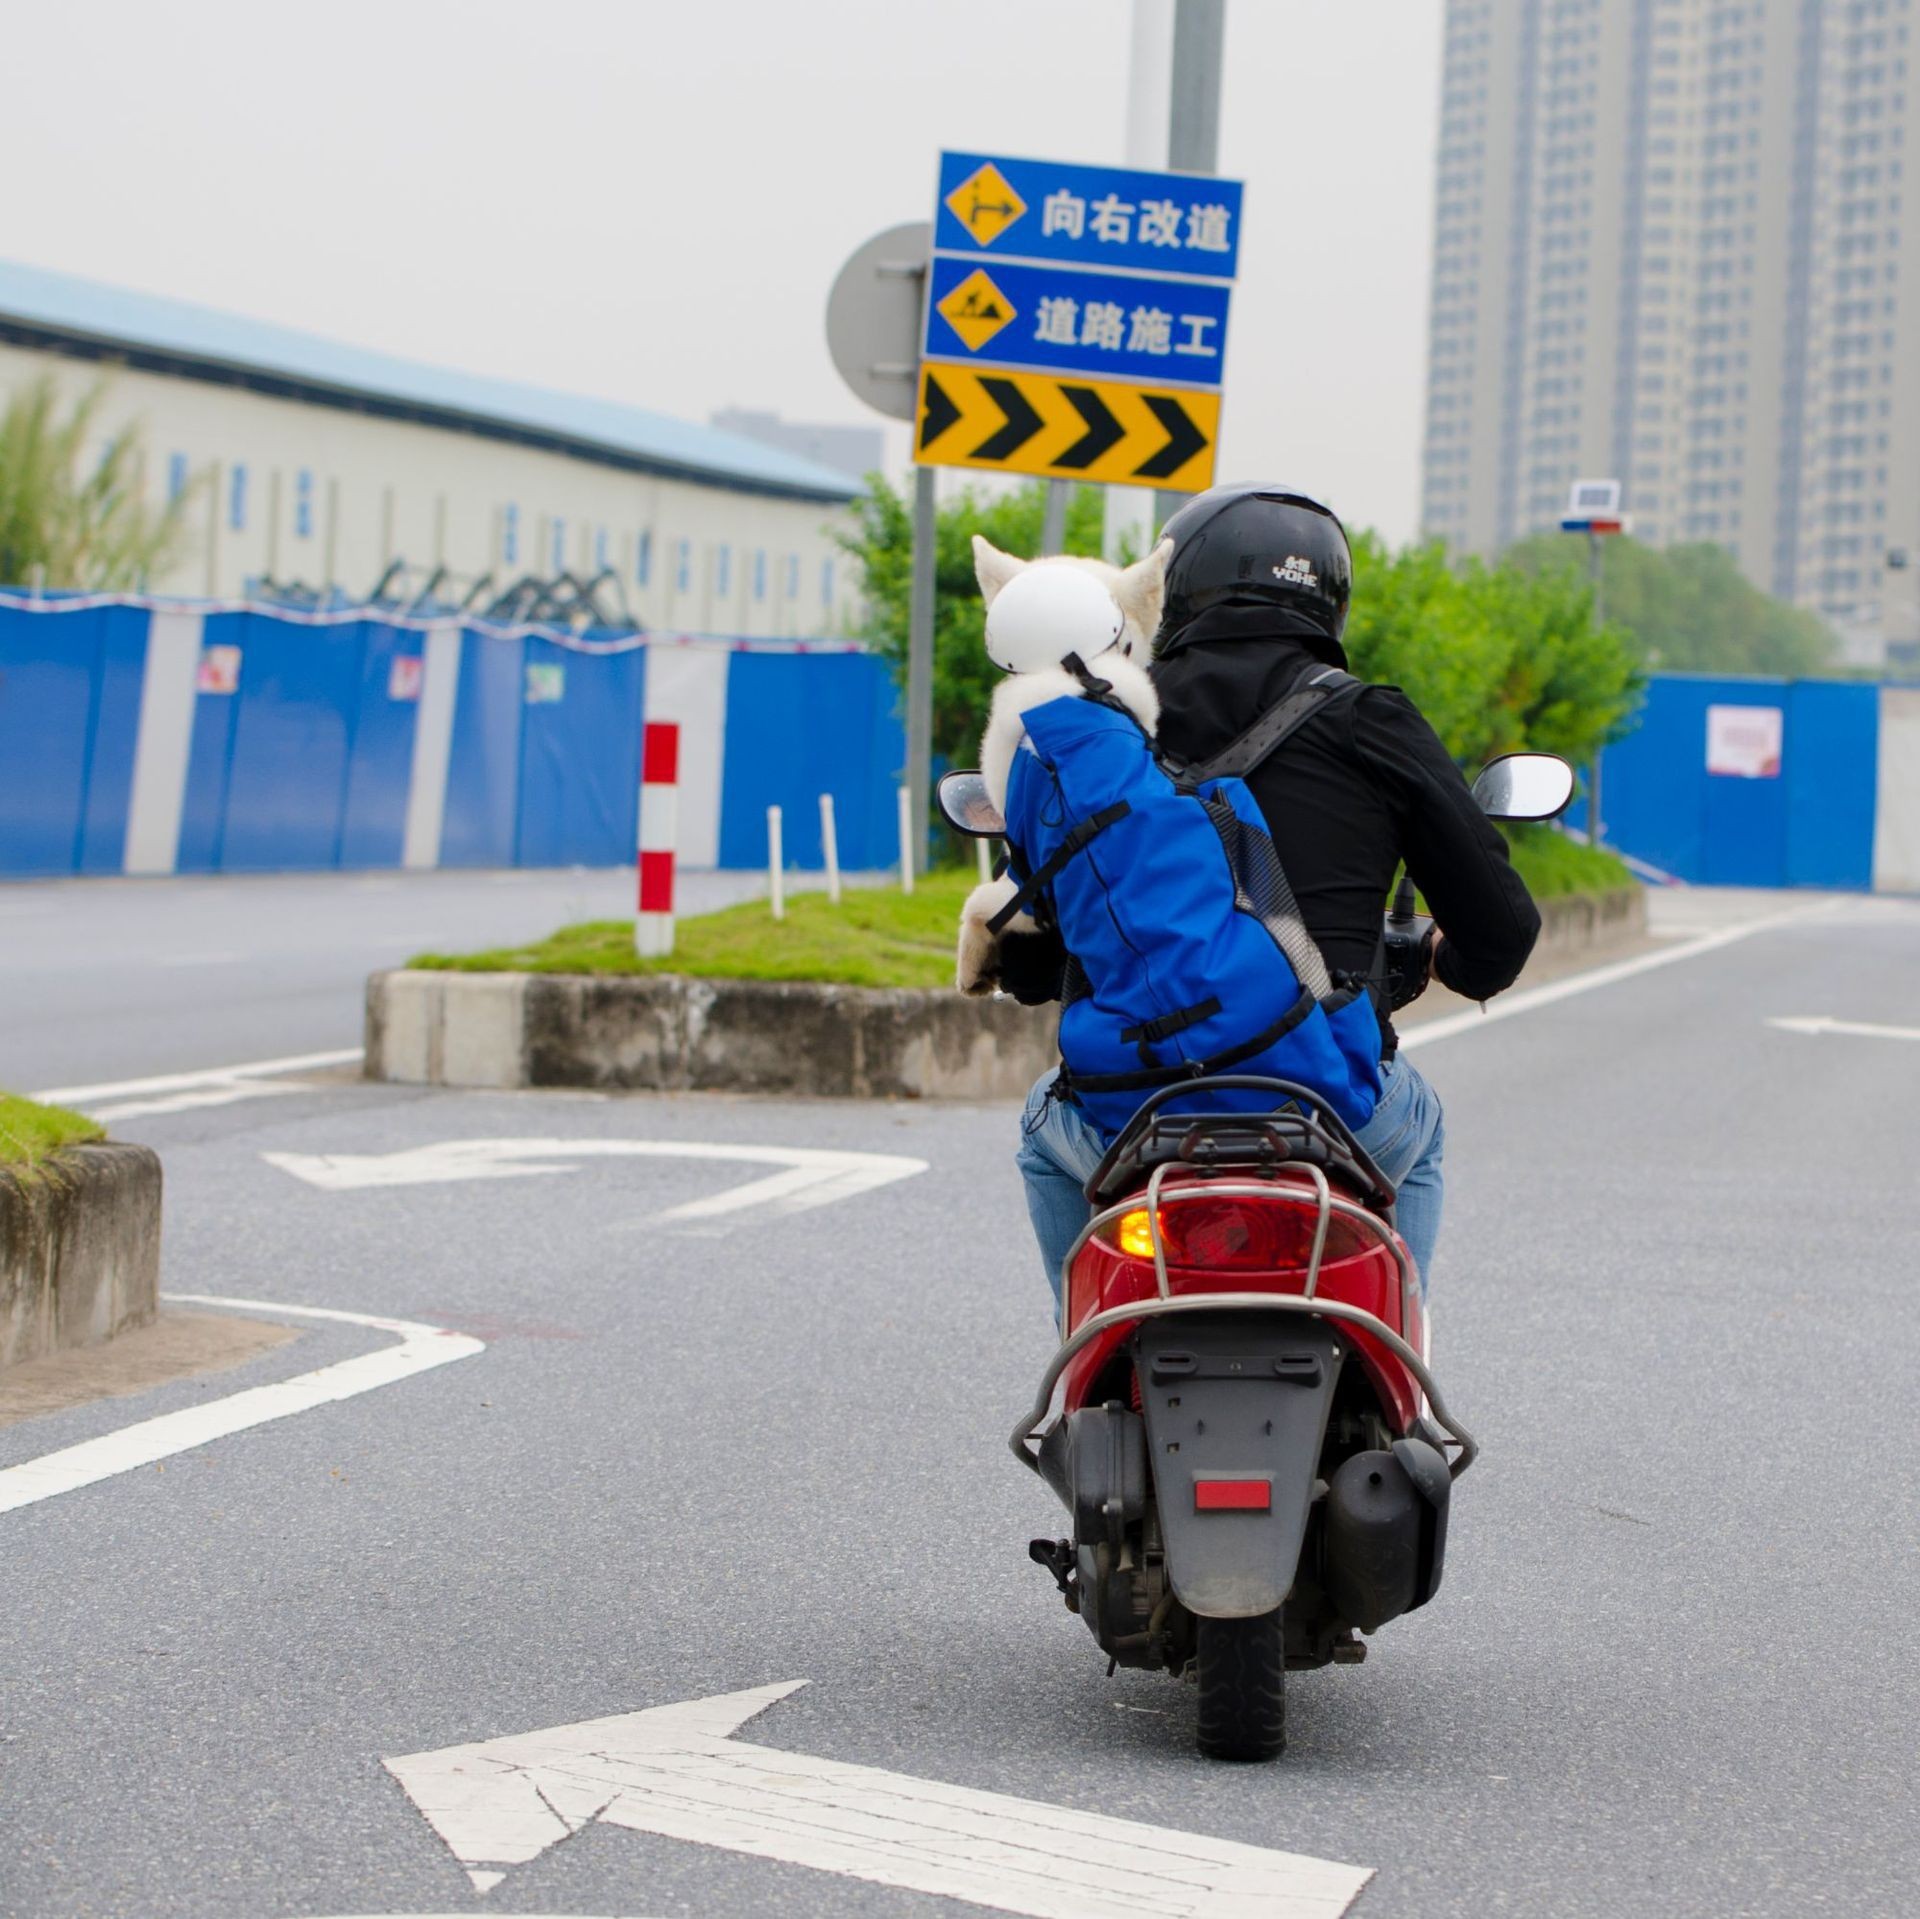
{"type": "Point", "coordinates": [1240, 1417]}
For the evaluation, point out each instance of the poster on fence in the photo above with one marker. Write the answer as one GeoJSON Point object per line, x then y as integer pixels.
{"type": "Point", "coordinates": [219, 670]}
{"type": "Point", "coordinates": [1744, 742]}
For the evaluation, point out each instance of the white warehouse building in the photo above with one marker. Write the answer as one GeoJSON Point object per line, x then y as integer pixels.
{"type": "Point", "coordinates": [330, 466]}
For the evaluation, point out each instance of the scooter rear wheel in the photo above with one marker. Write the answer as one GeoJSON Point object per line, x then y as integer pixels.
{"type": "Point", "coordinates": [1242, 1669]}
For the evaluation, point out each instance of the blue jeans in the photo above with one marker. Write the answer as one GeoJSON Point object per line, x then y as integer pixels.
{"type": "Point", "coordinates": [1406, 1137]}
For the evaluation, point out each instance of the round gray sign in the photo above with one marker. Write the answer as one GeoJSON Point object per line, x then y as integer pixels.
{"type": "Point", "coordinates": [873, 318]}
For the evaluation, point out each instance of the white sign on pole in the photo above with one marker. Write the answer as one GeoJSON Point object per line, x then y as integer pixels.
{"type": "Point", "coordinates": [1744, 742]}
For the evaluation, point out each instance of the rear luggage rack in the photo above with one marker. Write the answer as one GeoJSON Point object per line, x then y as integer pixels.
{"type": "Point", "coordinates": [1302, 1130]}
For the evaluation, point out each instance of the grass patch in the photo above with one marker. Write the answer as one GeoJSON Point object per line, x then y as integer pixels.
{"type": "Point", "coordinates": [29, 1131]}
{"type": "Point", "coordinates": [1554, 865]}
{"type": "Point", "coordinates": [878, 936]}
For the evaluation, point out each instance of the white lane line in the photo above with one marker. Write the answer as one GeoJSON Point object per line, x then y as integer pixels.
{"type": "Point", "coordinates": [420, 1349]}
{"type": "Point", "coordinates": [678, 1771]}
{"type": "Point", "coordinates": [811, 1175]}
{"type": "Point", "coordinates": [205, 1076]}
{"type": "Point", "coordinates": [188, 1092]}
{"type": "Point", "coordinates": [1857, 1029]}
{"type": "Point", "coordinates": [1526, 1001]}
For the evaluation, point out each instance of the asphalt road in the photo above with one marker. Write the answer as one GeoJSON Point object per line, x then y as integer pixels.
{"type": "Point", "coordinates": [1672, 1671]}
{"type": "Point", "coordinates": [107, 980]}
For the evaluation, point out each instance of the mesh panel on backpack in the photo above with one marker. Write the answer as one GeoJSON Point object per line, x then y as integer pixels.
{"type": "Point", "coordinates": [1260, 888]}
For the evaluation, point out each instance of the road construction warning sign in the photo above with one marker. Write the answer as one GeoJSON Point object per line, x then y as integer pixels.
{"type": "Point", "coordinates": [976, 310]}
{"type": "Point", "coordinates": [1104, 431]}
{"type": "Point", "coordinates": [1076, 321]}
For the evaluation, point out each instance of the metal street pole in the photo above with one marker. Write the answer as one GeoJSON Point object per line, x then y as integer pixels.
{"type": "Point", "coordinates": [920, 651]}
{"type": "Point", "coordinates": [1053, 525]}
{"type": "Point", "coordinates": [1193, 126]}
{"type": "Point", "coordinates": [1130, 510]}
{"type": "Point", "coordinates": [1199, 47]}
{"type": "Point", "coordinates": [1596, 571]}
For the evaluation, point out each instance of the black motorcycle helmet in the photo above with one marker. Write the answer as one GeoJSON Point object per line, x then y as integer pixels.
{"type": "Point", "coordinates": [1260, 546]}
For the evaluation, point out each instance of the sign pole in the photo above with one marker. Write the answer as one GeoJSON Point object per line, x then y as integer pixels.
{"type": "Point", "coordinates": [920, 645]}
{"type": "Point", "coordinates": [1596, 572]}
{"type": "Point", "coordinates": [1193, 122]}
{"type": "Point", "coordinates": [1199, 49]}
{"type": "Point", "coordinates": [1053, 524]}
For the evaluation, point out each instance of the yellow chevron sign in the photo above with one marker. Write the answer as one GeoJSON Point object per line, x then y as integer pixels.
{"type": "Point", "coordinates": [1065, 428]}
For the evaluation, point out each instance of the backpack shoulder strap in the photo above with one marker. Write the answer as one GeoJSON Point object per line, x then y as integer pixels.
{"type": "Point", "coordinates": [1317, 687]}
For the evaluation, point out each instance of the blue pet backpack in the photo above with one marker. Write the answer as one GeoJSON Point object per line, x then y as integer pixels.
{"type": "Point", "coordinates": [1189, 956]}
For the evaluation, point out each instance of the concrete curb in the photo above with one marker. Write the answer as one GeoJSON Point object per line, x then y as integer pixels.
{"type": "Point", "coordinates": [79, 1249]}
{"type": "Point", "coordinates": [1583, 920]}
{"type": "Point", "coordinates": [667, 1033]}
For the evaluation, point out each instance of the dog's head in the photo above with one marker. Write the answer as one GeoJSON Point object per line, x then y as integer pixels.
{"type": "Point", "coordinates": [1138, 590]}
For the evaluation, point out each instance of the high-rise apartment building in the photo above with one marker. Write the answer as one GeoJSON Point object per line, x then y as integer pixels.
{"type": "Point", "coordinates": [1668, 248]}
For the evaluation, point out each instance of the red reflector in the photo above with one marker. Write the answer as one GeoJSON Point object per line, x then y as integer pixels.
{"type": "Point", "coordinates": [1232, 1496]}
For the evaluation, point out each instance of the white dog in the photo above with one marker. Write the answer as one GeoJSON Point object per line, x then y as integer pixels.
{"type": "Point", "coordinates": [1113, 650]}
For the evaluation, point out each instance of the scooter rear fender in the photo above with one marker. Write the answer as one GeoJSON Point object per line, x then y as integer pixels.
{"type": "Point", "coordinates": [1236, 1410]}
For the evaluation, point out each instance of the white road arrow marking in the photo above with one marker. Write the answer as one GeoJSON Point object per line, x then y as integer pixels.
{"type": "Point", "coordinates": [187, 1092]}
{"type": "Point", "coordinates": [1820, 1023]}
{"type": "Point", "coordinates": [418, 1350]}
{"type": "Point", "coordinates": [678, 1771]}
{"type": "Point", "coordinates": [810, 1176]}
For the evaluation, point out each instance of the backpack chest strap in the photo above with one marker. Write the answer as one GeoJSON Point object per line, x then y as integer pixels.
{"type": "Point", "coordinates": [1076, 840]}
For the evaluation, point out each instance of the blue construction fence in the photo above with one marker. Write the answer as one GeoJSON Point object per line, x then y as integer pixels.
{"type": "Point", "coordinates": [154, 736]}
{"type": "Point", "coordinates": [1761, 782]}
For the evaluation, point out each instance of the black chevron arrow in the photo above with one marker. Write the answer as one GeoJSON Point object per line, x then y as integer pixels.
{"type": "Point", "coordinates": [1022, 421]}
{"type": "Point", "coordinates": [1103, 429]}
{"type": "Point", "coordinates": [1184, 439]}
{"type": "Point", "coordinates": [939, 413]}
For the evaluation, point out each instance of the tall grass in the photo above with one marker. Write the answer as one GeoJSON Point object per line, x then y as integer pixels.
{"type": "Point", "coordinates": [68, 520]}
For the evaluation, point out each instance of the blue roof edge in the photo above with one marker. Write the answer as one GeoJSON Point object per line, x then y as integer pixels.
{"type": "Point", "coordinates": [152, 332]}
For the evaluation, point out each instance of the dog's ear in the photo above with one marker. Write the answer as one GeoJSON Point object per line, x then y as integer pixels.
{"type": "Point", "coordinates": [1141, 591]}
{"type": "Point", "coordinates": [993, 568]}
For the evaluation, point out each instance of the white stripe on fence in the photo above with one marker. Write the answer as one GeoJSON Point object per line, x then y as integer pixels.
{"type": "Point", "coordinates": [164, 743]}
{"type": "Point", "coordinates": [432, 747]}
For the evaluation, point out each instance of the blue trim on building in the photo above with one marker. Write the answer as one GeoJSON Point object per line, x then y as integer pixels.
{"type": "Point", "coordinates": [83, 319]}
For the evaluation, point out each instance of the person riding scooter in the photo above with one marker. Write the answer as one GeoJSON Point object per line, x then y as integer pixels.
{"type": "Point", "coordinates": [1357, 783]}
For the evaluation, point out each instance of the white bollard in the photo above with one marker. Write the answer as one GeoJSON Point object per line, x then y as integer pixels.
{"type": "Point", "coordinates": [776, 865]}
{"type": "Point", "coordinates": [906, 840]}
{"type": "Point", "coordinates": [984, 850]}
{"type": "Point", "coordinates": [830, 848]}
{"type": "Point", "coordinates": [659, 809]}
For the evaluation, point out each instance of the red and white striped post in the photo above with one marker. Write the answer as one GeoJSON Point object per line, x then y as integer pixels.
{"type": "Point", "coordinates": [659, 809]}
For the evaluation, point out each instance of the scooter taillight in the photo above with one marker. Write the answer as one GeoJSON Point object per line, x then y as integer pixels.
{"type": "Point", "coordinates": [1239, 1236]}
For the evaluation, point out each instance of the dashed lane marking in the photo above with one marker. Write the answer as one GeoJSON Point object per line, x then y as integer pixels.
{"type": "Point", "coordinates": [148, 1441]}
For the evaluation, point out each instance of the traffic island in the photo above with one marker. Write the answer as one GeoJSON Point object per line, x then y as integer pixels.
{"type": "Point", "coordinates": [79, 1233]}
{"type": "Point", "coordinates": [877, 1019]}
{"type": "Point", "coordinates": [671, 1033]}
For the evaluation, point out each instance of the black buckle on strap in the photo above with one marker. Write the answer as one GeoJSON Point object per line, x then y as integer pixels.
{"type": "Point", "coordinates": [1149, 1033]}
{"type": "Point", "coordinates": [1076, 840]}
{"type": "Point", "coordinates": [1201, 1068]}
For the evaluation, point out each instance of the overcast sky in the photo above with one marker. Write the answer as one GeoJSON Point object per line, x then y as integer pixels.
{"type": "Point", "coordinates": [647, 200]}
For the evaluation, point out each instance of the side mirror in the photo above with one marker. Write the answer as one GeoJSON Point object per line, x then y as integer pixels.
{"type": "Point", "coordinates": [966, 807]}
{"type": "Point", "coordinates": [1525, 786]}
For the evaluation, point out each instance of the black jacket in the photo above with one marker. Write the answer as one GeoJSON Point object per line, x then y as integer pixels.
{"type": "Point", "coordinates": [1356, 790]}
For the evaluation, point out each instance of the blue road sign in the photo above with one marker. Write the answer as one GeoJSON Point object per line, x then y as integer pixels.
{"type": "Point", "coordinates": [992, 207]}
{"type": "Point", "coordinates": [1107, 325]}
